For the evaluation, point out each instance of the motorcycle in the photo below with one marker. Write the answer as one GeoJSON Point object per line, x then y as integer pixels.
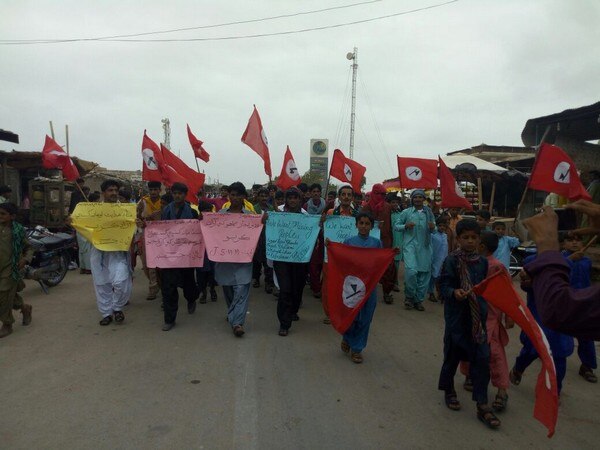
{"type": "Point", "coordinates": [518, 255]}
{"type": "Point", "coordinates": [51, 258]}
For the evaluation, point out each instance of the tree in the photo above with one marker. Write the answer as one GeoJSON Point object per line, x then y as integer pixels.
{"type": "Point", "coordinates": [315, 177]}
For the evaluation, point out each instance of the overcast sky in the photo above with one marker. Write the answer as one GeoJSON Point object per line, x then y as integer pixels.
{"type": "Point", "coordinates": [435, 81]}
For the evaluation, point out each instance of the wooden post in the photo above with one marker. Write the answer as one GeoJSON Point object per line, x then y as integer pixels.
{"type": "Point", "coordinates": [492, 197]}
{"type": "Point", "coordinates": [51, 130]}
{"type": "Point", "coordinates": [67, 137]}
{"type": "Point", "coordinates": [480, 192]}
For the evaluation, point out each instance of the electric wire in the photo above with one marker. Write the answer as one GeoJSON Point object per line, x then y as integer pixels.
{"type": "Point", "coordinates": [238, 37]}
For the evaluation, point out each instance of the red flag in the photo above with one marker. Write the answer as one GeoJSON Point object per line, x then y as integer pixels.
{"type": "Point", "coordinates": [499, 291]}
{"type": "Point", "coordinates": [347, 170]}
{"type": "Point", "coordinates": [554, 171]}
{"type": "Point", "coordinates": [289, 172]}
{"type": "Point", "coordinates": [255, 138]}
{"type": "Point", "coordinates": [54, 157]}
{"type": "Point", "coordinates": [196, 144]}
{"type": "Point", "coordinates": [452, 194]}
{"type": "Point", "coordinates": [153, 163]}
{"type": "Point", "coordinates": [352, 274]}
{"type": "Point", "coordinates": [182, 173]}
{"type": "Point", "coordinates": [418, 173]}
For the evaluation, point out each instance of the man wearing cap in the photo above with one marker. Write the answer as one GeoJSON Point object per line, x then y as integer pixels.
{"type": "Point", "coordinates": [416, 223]}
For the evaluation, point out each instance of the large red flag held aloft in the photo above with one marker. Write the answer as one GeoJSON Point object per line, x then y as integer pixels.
{"type": "Point", "coordinates": [255, 138]}
{"type": "Point", "coordinates": [347, 170]}
{"type": "Point", "coordinates": [418, 173]}
{"type": "Point", "coordinates": [182, 173]}
{"type": "Point", "coordinates": [498, 290]}
{"type": "Point", "coordinates": [152, 161]}
{"type": "Point", "coordinates": [352, 275]}
{"type": "Point", "coordinates": [289, 175]}
{"type": "Point", "coordinates": [554, 171]}
{"type": "Point", "coordinates": [196, 144]}
{"type": "Point", "coordinates": [452, 194]}
{"type": "Point", "coordinates": [54, 157]}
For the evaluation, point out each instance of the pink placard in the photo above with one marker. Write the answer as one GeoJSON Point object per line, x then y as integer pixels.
{"type": "Point", "coordinates": [231, 237]}
{"type": "Point", "coordinates": [174, 244]}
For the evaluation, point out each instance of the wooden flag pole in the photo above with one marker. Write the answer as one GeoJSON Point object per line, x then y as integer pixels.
{"type": "Point", "coordinates": [67, 137]}
{"type": "Point", "coordinates": [480, 192]}
{"type": "Point", "coordinates": [522, 202]}
{"type": "Point", "coordinates": [590, 243]}
{"type": "Point", "coordinates": [51, 130]}
{"type": "Point", "coordinates": [491, 208]}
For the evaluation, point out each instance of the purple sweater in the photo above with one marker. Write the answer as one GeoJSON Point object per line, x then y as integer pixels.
{"type": "Point", "coordinates": [571, 311]}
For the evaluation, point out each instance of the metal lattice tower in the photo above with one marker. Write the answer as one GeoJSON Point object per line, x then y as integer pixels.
{"type": "Point", "coordinates": [167, 129]}
{"type": "Point", "coordinates": [354, 58]}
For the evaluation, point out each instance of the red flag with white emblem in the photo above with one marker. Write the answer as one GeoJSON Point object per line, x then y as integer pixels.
{"type": "Point", "coordinates": [196, 144]}
{"type": "Point", "coordinates": [452, 194]}
{"type": "Point", "coordinates": [498, 290]}
{"type": "Point", "coordinates": [254, 137]}
{"type": "Point", "coordinates": [554, 171]}
{"type": "Point", "coordinates": [289, 175]}
{"type": "Point", "coordinates": [54, 157]}
{"type": "Point", "coordinates": [182, 173]}
{"type": "Point", "coordinates": [152, 161]}
{"type": "Point", "coordinates": [347, 170]}
{"type": "Point", "coordinates": [418, 173]}
{"type": "Point", "coordinates": [352, 274]}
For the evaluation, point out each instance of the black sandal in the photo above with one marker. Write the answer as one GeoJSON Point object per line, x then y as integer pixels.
{"type": "Point", "coordinates": [452, 401]}
{"type": "Point", "coordinates": [515, 376]}
{"type": "Point", "coordinates": [488, 417]}
{"type": "Point", "coordinates": [588, 374]}
{"type": "Point", "coordinates": [500, 403]}
{"type": "Point", "coordinates": [119, 316]}
{"type": "Point", "coordinates": [468, 385]}
{"type": "Point", "coordinates": [106, 321]}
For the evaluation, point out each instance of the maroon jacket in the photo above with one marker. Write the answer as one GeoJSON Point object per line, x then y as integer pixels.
{"type": "Point", "coordinates": [570, 311]}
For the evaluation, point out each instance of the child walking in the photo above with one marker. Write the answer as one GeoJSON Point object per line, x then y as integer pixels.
{"type": "Point", "coordinates": [15, 252]}
{"type": "Point", "coordinates": [439, 246]}
{"type": "Point", "coordinates": [355, 338]}
{"type": "Point", "coordinates": [465, 314]}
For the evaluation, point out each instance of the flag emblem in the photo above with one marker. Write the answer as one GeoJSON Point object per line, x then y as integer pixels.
{"type": "Point", "coordinates": [292, 170]}
{"type": "Point", "coordinates": [413, 173]}
{"type": "Point", "coordinates": [264, 137]}
{"type": "Point", "coordinates": [348, 172]}
{"type": "Point", "coordinates": [148, 156]}
{"type": "Point", "coordinates": [353, 291]}
{"type": "Point", "coordinates": [562, 173]}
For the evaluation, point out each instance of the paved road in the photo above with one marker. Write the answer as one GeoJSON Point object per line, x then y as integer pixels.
{"type": "Point", "coordinates": [69, 383]}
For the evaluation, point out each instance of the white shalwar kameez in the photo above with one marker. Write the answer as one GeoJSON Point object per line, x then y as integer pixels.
{"type": "Point", "coordinates": [112, 280]}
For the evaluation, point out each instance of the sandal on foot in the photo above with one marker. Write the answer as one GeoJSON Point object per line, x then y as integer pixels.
{"type": "Point", "coordinates": [356, 357]}
{"type": "Point", "coordinates": [500, 403]}
{"type": "Point", "coordinates": [586, 372]}
{"type": "Point", "coordinates": [452, 401]}
{"type": "Point", "coordinates": [283, 332]}
{"type": "Point", "coordinates": [488, 417]}
{"type": "Point", "coordinates": [256, 284]}
{"type": "Point", "coordinates": [119, 316]}
{"type": "Point", "coordinates": [345, 347]}
{"type": "Point", "coordinates": [106, 321]}
{"type": "Point", "coordinates": [468, 385]}
{"type": "Point", "coordinates": [515, 376]}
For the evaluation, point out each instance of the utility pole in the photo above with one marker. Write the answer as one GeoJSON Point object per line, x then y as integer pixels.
{"type": "Point", "coordinates": [354, 58]}
{"type": "Point", "coordinates": [167, 129]}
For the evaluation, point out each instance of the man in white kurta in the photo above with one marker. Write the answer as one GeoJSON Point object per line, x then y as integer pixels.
{"type": "Point", "coordinates": [111, 271]}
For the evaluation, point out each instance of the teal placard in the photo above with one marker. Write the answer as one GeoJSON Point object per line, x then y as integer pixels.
{"type": "Point", "coordinates": [291, 237]}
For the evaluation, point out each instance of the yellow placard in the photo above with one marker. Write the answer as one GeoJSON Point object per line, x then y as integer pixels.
{"type": "Point", "coordinates": [108, 226]}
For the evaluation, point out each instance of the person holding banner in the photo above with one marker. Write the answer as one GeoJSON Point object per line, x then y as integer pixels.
{"type": "Point", "coordinates": [171, 279]}
{"type": "Point", "coordinates": [382, 212]}
{"type": "Point", "coordinates": [149, 208]}
{"type": "Point", "coordinates": [345, 195]}
{"type": "Point", "coordinates": [260, 256]}
{"type": "Point", "coordinates": [111, 270]}
{"type": "Point", "coordinates": [291, 276]}
{"type": "Point", "coordinates": [235, 278]}
{"type": "Point", "coordinates": [417, 223]}
{"type": "Point", "coordinates": [355, 338]}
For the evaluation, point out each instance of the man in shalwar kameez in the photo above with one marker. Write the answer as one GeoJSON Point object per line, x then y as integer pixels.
{"type": "Point", "coordinates": [111, 271]}
{"type": "Point", "coordinates": [417, 223]}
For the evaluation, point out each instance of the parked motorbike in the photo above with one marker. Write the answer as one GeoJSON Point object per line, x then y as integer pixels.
{"type": "Point", "coordinates": [52, 255]}
{"type": "Point", "coordinates": [519, 254]}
